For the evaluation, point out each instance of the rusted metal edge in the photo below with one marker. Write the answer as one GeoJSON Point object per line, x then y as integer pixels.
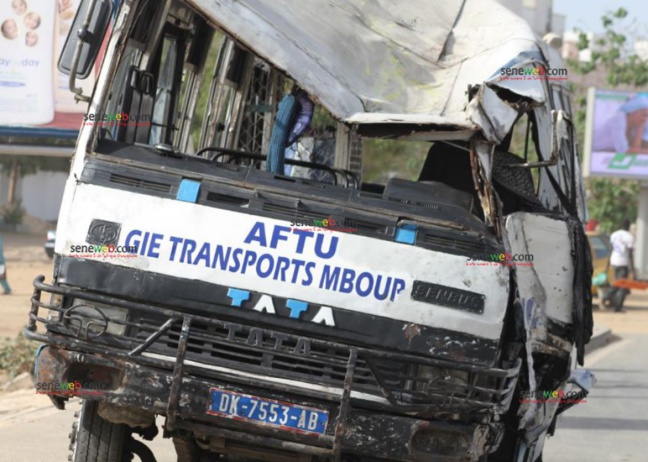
{"type": "Point", "coordinates": [174, 394]}
{"type": "Point", "coordinates": [345, 405]}
{"type": "Point", "coordinates": [254, 439]}
{"type": "Point", "coordinates": [154, 336]}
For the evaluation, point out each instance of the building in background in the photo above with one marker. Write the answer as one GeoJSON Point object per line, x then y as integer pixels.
{"type": "Point", "coordinates": [39, 115]}
{"type": "Point", "coordinates": [539, 14]}
{"type": "Point", "coordinates": [40, 194]}
{"type": "Point", "coordinates": [570, 45]}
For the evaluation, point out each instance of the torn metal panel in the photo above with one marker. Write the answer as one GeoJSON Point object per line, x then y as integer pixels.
{"type": "Point", "coordinates": [480, 161]}
{"type": "Point", "coordinates": [494, 115]}
{"type": "Point", "coordinates": [546, 293]}
{"type": "Point", "coordinates": [387, 61]}
{"type": "Point", "coordinates": [533, 89]}
{"type": "Point", "coordinates": [548, 280]}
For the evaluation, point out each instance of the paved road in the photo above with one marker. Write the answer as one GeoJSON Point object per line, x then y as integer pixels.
{"type": "Point", "coordinates": [613, 425]}
{"type": "Point", "coordinates": [39, 432]}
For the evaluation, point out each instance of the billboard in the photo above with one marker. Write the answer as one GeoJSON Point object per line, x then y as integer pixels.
{"type": "Point", "coordinates": [33, 94]}
{"type": "Point", "coordinates": [616, 138]}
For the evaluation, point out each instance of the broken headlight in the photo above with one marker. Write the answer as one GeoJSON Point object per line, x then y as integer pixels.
{"type": "Point", "coordinates": [89, 320]}
{"type": "Point", "coordinates": [434, 380]}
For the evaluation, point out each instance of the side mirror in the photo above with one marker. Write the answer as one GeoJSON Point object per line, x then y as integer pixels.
{"type": "Point", "coordinates": [84, 41]}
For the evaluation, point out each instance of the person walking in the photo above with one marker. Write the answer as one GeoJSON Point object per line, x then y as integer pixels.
{"type": "Point", "coordinates": [3, 271]}
{"type": "Point", "coordinates": [622, 262]}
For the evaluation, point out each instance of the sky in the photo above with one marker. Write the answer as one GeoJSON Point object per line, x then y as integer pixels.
{"type": "Point", "coordinates": [586, 14]}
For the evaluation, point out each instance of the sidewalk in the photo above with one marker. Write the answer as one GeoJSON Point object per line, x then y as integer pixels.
{"type": "Point", "coordinates": [633, 321]}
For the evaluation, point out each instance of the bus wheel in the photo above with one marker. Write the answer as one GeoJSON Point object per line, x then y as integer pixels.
{"type": "Point", "coordinates": [94, 439]}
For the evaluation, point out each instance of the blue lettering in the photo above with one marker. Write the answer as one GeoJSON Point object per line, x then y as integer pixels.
{"type": "Point", "coordinates": [129, 238]}
{"type": "Point", "coordinates": [257, 233]}
{"type": "Point", "coordinates": [362, 277]}
{"type": "Point", "coordinates": [309, 274]}
{"type": "Point", "coordinates": [277, 236]}
{"type": "Point", "coordinates": [175, 241]}
{"type": "Point", "coordinates": [280, 270]}
{"type": "Point", "coordinates": [250, 258]}
{"type": "Point", "coordinates": [203, 254]}
{"type": "Point", "coordinates": [296, 307]}
{"type": "Point", "coordinates": [332, 248]}
{"type": "Point", "coordinates": [399, 285]}
{"type": "Point", "coordinates": [346, 284]}
{"type": "Point", "coordinates": [265, 258]}
{"type": "Point", "coordinates": [298, 264]}
{"type": "Point", "coordinates": [237, 262]}
{"type": "Point", "coordinates": [144, 244]}
{"type": "Point", "coordinates": [238, 296]}
{"type": "Point", "coordinates": [155, 246]}
{"type": "Point", "coordinates": [302, 235]}
{"type": "Point", "coordinates": [188, 247]}
{"type": "Point", "coordinates": [377, 293]}
{"type": "Point", "coordinates": [330, 278]}
{"type": "Point", "coordinates": [220, 257]}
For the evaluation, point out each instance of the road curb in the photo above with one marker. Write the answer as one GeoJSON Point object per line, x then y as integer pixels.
{"type": "Point", "coordinates": [603, 336]}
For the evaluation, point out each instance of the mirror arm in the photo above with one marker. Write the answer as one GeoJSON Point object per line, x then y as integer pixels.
{"type": "Point", "coordinates": [82, 34]}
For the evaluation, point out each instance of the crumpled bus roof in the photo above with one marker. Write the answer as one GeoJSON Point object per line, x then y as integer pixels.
{"type": "Point", "coordinates": [391, 61]}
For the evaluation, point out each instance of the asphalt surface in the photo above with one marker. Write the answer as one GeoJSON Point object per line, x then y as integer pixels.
{"type": "Point", "coordinates": [39, 432]}
{"type": "Point", "coordinates": [612, 426]}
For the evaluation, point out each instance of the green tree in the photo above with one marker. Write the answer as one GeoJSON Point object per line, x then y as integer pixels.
{"type": "Point", "coordinates": [610, 201]}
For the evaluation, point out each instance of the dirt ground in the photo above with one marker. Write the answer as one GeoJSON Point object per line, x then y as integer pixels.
{"type": "Point", "coordinates": [25, 259]}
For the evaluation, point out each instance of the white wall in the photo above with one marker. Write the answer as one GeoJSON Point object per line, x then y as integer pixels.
{"type": "Point", "coordinates": [42, 193]}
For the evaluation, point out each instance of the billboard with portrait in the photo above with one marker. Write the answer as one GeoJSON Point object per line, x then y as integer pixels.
{"type": "Point", "coordinates": [34, 96]}
{"type": "Point", "coordinates": [616, 139]}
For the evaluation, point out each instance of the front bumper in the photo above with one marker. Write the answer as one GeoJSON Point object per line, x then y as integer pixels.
{"type": "Point", "coordinates": [363, 420]}
{"type": "Point", "coordinates": [359, 431]}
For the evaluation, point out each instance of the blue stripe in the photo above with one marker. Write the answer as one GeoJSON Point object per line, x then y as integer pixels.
{"type": "Point", "coordinates": [37, 132]}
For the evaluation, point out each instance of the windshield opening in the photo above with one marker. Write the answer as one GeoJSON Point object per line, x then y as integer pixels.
{"type": "Point", "coordinates": [200, 94]}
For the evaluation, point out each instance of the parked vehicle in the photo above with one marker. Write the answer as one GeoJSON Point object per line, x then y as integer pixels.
{"type": "Point", "coordinates": [315, 316]}
{"type": "Point", "coordinates": [49, 243]}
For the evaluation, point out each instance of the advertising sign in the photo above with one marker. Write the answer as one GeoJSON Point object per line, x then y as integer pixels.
{"type": "Point", "coordinates": [616, 140]}
{"type": "Point", "coordinates": [33, 94]}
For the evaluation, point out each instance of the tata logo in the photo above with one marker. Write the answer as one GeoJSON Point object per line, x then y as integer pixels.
{"type": "Point", "coordinates": [103, 232]}
{"type": "Point", "coordinates": [295, 309]}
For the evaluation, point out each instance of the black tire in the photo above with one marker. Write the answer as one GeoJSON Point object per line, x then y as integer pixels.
{"type": "Point", "coordinates": [139, 449]}
{"type": "Point", "coordinates": [94, 439]}
{"type": "Point", "coordinates": [188, 451]}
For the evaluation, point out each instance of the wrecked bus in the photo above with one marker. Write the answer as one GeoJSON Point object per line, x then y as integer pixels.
{"type": "Point", "coordinates": [220, 261]}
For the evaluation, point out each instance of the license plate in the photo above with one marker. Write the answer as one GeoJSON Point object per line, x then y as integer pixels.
{"type": "Point", "coordinates": [287, 416]}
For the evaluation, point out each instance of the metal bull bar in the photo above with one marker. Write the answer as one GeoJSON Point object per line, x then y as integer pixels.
{"type": "Point", "coordinates": [84, 342]}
